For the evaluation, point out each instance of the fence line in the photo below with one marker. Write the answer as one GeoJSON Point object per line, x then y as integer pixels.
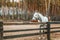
{"type": "Point", "coordinates": [48, 32]}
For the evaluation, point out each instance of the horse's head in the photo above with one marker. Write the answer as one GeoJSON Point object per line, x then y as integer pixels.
{"type": "Point", "coordinates": [35, 17]}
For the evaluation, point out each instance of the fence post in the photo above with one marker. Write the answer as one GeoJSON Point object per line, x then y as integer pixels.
{"type": "Point", "coordinates": [48, 31]}
{"type": "Point", "coordinates": [1, 30]}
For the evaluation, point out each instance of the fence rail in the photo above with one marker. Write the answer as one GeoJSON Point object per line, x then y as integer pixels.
{"type": "Point", "coordinates": [48, 32]}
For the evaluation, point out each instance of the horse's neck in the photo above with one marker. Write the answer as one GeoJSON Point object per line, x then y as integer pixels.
{"type": "Point", "coordinates": [41, 16]}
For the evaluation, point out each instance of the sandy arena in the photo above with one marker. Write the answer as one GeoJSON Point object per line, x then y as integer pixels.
{"type": "Point", "coordinates": [54, 36]}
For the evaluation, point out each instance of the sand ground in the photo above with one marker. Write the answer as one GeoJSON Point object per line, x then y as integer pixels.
{"type": "Point", "coordinates": [54, 36]}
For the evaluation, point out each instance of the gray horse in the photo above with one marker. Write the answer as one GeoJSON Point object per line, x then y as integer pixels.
{"type": "Point", "coordinates": [41, 18]}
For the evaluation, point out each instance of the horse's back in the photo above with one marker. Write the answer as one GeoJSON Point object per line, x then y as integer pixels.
{"type": "Point", "coordinates": [45, 19]}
